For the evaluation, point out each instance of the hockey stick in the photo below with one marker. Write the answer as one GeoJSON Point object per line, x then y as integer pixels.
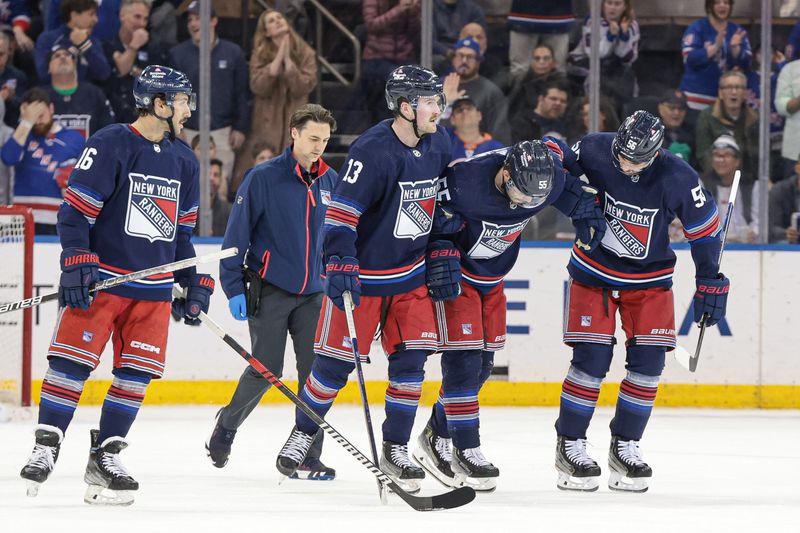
{"type": "Point", "coordinates": [448, 500]}
{"type": "Point", "coordinates": [682, 355]}
{"type": "Point", "coordinates": [362, 387]}
{"type": "Point", "coordinates": [126, 278]}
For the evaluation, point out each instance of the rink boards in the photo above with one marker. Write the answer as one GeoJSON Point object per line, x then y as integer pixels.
{"type": "Point", "coordinates": [748, 361]}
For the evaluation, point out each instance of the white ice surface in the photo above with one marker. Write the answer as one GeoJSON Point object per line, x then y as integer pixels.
{"type": "Point", "coordinates": [713, 471]}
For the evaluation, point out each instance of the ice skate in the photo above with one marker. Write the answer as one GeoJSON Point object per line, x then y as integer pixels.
{"type": "Point", "coordinates": [471, 469]}
{"type": "Point", "coordinates": [43, 457]}
{"type": "Point", "coordinates": [396, 464]}
{"type": "Point", "coordinates": [218, 445]}
{"type": "Point", "coordinates": [314, 470]}
{"type": "Point", "coordinates": [576, 470]}
{"type": "Point", "coordinates": [434, 455]}
{"type": "Point", "coordinates": [293, 452]}
{"type": "Point", "coordinates": [108, 479]}
{"type": "Point", "coordinates": [628, 471]}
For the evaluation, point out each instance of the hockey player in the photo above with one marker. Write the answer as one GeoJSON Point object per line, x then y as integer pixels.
{"type": "Point", "coordinates": [131, 203]}
{"type": "Point", "coordinates": [495, 195]}
{"type": "Point", "coordinates": [642, 189]}
{"type": "Point", "coordinates": [376, 234]}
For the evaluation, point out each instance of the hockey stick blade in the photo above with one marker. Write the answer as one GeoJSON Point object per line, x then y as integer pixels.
{"type": "Point", "coordinates": [448, 500]}
{"type": "Point", "coordinates": [126, 278]}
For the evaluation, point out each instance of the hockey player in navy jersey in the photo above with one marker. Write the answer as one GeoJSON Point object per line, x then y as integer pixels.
{"type": "Point", "coordinates": [130, 204]}
{"type": "Point", "coordinates": [493, 195]}
{"type": "Point", "coordinates": [642, 189]}
{"type": "Point", "coordinates": [376, 235]}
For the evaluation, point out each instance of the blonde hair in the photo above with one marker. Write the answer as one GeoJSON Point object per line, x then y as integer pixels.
{"type": "Point", "coordinates": [265, 49]}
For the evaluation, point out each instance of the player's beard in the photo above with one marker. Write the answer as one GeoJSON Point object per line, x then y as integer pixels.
{"type": "Point", "coordinates": [42, 129]}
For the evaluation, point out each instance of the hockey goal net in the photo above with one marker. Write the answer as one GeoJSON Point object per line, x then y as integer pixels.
{"type": "Point", "coordinates": [16, 283]}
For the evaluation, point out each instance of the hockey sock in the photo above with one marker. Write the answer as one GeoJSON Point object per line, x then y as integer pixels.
{"type": "Point", "coordinates": [578, 399]}
{"type": "Point", "coordinates": [438, 419]}
{"type": "Point", "coordinates": [327, 377]}
{"type": "Point", "coordinates": [487, 364]}
{"type": "Point", "coordinates": [406, 373]}
{"type": "Point", "coordinates": [460, 382]}
{"type": "Point", "coordinates": [637, 393]}
{"type": "Point", "coordinates": [61, 390]}
{"type": "Point", "coordinates": [122, 402]}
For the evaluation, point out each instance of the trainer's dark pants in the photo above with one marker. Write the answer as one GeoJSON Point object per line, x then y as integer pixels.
{"type": "Point", "coordinates": [279, 312]}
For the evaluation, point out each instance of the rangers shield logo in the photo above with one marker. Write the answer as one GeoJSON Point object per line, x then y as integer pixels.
{"type": "Point", "coordinates": [495, 239]}
{"type": "Point", "coordinates": [629, 228]}
{"type": "Point", "coordinates": [152, 207]}
{"type": "Point", "coordinates": [415, 215]}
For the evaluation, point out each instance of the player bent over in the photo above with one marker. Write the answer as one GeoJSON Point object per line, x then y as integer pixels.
{"type": "Point", "coordinates": [376, 235]}
{"type": "Point", "coordinates": [130, 204]}
{"type": "Point", "coordinates": [495, 194]}
{"type": "Point", "coordinates": [642, 189]}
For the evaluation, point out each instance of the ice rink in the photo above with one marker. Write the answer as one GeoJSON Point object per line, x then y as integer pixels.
{"type": "Point", "coordinates": [714, 470]}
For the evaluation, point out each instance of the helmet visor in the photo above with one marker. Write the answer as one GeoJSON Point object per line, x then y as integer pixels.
{"type": "Point", "coordinates": [521, 199]}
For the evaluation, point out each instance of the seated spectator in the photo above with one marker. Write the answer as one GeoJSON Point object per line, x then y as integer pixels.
{"type": "Point", "coordinates": [220, 206]}
{"type": "Point", "coordinates": [792, 50]}
{"type": "Point", "coordinates": [468, 139]}
{"type": "Point", "coordinates": [578, 118]}
{"type": "Point", "coordinates": [17, 15]}
{"type": "Point", "coordinates": [787, 104]}
{"type": "Point", "coordinates": [729, 114]}
{"type": "Point", "coordinates": [78, 106]}
{"type": "Point", "coordinates": [726, 160]}
{"type": "Point", "coordinates": [77, 17]}
{"type": "Point", "coordinates": [212, 147]}
{"type": "Point", "coordinates": [547, 118]}
{"type": "Point", "coordinates": [526, 89]}
{"type": "Point", "coordinates": [678, 137]}
{"type": "Point", "coordinates": [784, 208]}
{"type": "Point", "coordinates": [619, 49]}
{"type": "Point", "coordinates": [711, 46]}
{"type": "Point", "coordinates": [492, 67]}
{"type": "Point", "coordinates": [535, 22]}
{"type": "Point", "coordinates": [42, 154]}
{"type": "Point", "coordinates": [13, 82]}
{"type": "Point", "coordinates": [776, 122]}
{"type": "Point", "coordinates": [449, 17]}
{"type": "Point", "coordinates": [107, 18]}
{"type": "Point", "coordinates": [261, 152]}
{"type": "Point", "coordinates": [128, 53]}
{"type": "Point", "coordinates": [5, 171]}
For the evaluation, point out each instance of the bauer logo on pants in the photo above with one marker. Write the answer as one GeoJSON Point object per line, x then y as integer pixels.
{"type": "Point", "coordinates": [495, 239]}
{"type": "Point", "coordinates": [629, 228]}
{"type": "Point", "coordinates": [415, 215]}
{"type": "Point", "coordinates": [152, 207]}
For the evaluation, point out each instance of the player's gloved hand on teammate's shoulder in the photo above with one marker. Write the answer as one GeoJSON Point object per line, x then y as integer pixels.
{"type": "Point", "coordinates": [199, 287]}
{"type": "Point", "coordinates": [341, 274]}
{"type": "Point", "coordinates": [711, 299]}
{"type": "Point", "coordinates": [443, 270]}
{"type": "Point", "coordinates": [588, 219]}
{"type": "Point", "coordinates": [446, 221]}
{"type": "Point", "coordinates": [79, 273]}
{"type": "Point", "coordinates": [238, 306]}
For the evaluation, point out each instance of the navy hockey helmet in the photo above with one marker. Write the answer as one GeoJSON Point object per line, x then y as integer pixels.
{"type": "Point", "coordinates": [165, 82]}
{"type": "Point", "coordinates": [638, 139]}
{"type": "Point", "coordinates": [531, 168]}
{"type": "Point", "coordinates": [409, 83]}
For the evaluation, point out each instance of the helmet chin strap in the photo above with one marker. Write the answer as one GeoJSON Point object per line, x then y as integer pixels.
{"type": "Point", "coordinates": [413, 124]}
{"type": "Point", "coordinates": [168, 121]}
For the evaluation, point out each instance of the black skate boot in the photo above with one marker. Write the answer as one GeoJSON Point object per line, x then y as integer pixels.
{"type": "Point", "coordinates": [628, 471]}
{"type": "Point", "coordinates": [434, 454]}
{"type": "Point", "coordinates": [314, 470]}
{"type": "Point", "coordinates": [576, 470]}
{"type": "Point", "coordinates": [471, 469]}
{"type": "Point", "coordinates": [43, 457]}
{"type": "Point", "coordinates": [293, 452]}
{"type": "Point", "coordinates": [218, 445]}
{"type": "Point", "coordinates": [396, 464]}
{"type": "Point", "coordinates": [109, 482]}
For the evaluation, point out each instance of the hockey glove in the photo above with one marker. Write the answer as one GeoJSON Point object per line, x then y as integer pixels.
{"type": "Point", "coordinates": [198, 297]}
{"type": "Point", "coordinates": [711, 299]}
{"type": "Point", "coordinates": [588, 219]}
{"type": "Point", "coordinates": [446, 221]}
{"type": "Point", "coordinates": [341, 274]}
{"type": "Point", "coordinates": [78, 275]}
{"type": "Point", "coordinates": [238, 306]}
{"type": "Point", "coordinates": [443, 271]}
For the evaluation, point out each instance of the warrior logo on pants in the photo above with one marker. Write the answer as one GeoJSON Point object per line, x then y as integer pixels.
{"type": "Point", "coordinates": [152, 207]}
{"type": "Point", "coordinates": [415, 215]}
{"type": "Point", "coordinates": [630, 229]}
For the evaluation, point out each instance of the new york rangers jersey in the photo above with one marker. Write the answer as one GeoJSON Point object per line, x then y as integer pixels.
{"type": "Point", "coordinates": [133, 202]}
{"type": "Point", "coordinates": [635, 251]}
{"type": "Point", "coordinates": [381, 210]}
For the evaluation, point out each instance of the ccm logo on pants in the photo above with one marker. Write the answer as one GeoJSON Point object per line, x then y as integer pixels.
{"type": "Point", "coordinates": [146, 347]}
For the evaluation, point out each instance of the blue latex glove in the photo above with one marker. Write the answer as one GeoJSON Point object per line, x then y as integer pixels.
{"type": "Point", "coordinates": [443, 271]}
{"type": "Point", "coordinates": [711, 299]}
{"type": "Point", "coordinates": [238, 306]}
{"type": "Point", "coordinates": [79, 273]}
{"type": "Point", "coordinates": [341, 274]}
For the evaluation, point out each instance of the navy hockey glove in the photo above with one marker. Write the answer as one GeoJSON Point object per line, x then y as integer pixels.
{"type": "Point", "coordinates": [341, 274]}
{"type": "Point", "coordinates": [711, 299]}
{"type": "Point", "coordinates": [446, 221]}
{"type": "Point", "coordinates": [443, 271]}
{"type": "Point", "coordinates": [588, 219]}
{"type": "Point", "coordinates": [198, 297]}
{"type": "Point", "coordinates": [78, 275]}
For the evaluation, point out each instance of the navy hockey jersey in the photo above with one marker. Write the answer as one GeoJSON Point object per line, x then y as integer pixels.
{"type": "Point", "coordinates": [86, 110]}
{"type": "Point", "coordinates": [133, 202]}
{"type": "Point", "coordinates": [381, 210]}
{"type": "Point", "coordinates": [635, 251]}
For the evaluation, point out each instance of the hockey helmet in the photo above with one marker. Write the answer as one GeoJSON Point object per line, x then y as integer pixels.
{"type": "Point", "coordinates": [638, 139]}
{"type": "Point", "coordinates": [166, 82]}
{"type": "Point", "coordinates": [409, 83]}
{"type": "Point", "coordinates": [531, 169]}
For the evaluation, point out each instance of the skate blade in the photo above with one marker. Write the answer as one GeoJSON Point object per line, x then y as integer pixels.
{"type": "Point", "coordinates": [411, 486]}
{"type": "Point", "coordinates": [426, 463]}
{"type": "Point", "coordinates": [32, 489]}
{"type": "Point", "coordinates": [97, 495]}
{"type": "Point", "coordinates": [478, 484]}
{"type": "Point", "coordinates": [577, 484]}
{"type": "Point", "coordinates": [621, 483]}
{"type": "Point", "coordinates": [311, 476]}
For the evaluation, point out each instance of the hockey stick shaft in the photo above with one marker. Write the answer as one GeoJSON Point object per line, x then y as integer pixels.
{"type": "Point", "coordinates": [126, 278]}
{"type": "Point", "coordinates": [362, 386]}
